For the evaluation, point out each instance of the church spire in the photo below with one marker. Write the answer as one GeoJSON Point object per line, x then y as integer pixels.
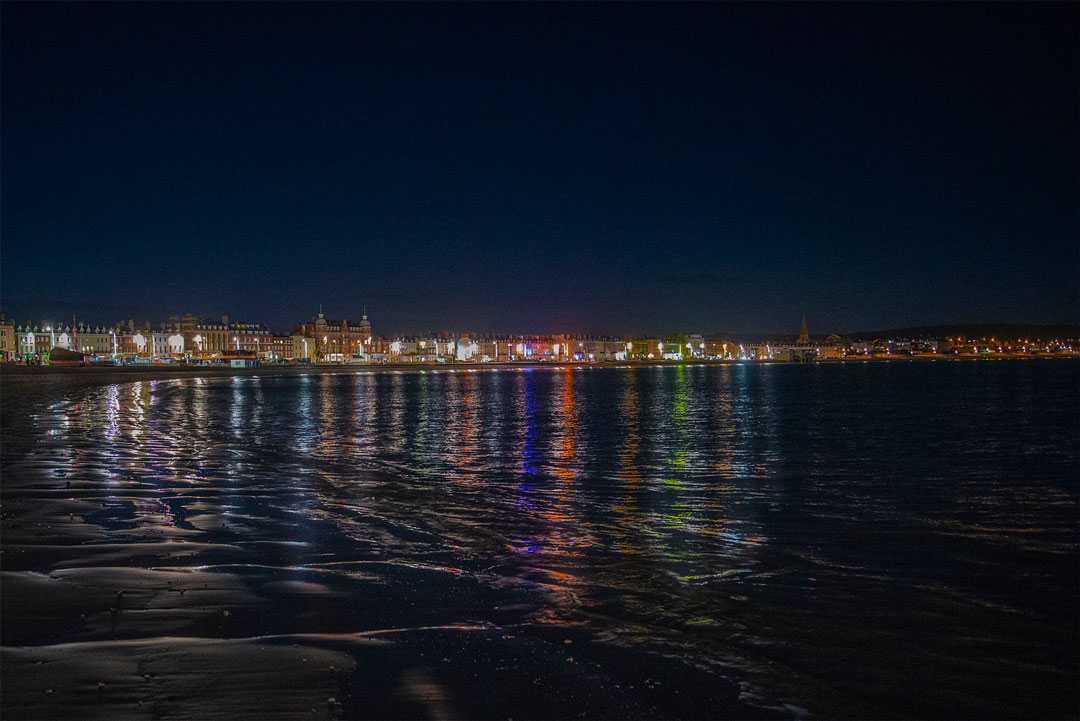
{"type": "Point", "coordinates": [804, 333]}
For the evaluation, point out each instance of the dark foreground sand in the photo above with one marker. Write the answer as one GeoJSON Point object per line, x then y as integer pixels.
{"type": "Point", "coordinates": [178, 624]}
{"type": "Point", "coordinates": [86, 639]}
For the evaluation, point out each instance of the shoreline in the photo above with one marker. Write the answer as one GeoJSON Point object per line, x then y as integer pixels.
{"type": "Point", "coordinates": [9, 371]}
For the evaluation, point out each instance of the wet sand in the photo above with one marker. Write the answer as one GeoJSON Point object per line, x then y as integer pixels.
{"type": "Point", "coordinates": [132, 642]}
{"type": "Point", "coordinates": [94, 627]}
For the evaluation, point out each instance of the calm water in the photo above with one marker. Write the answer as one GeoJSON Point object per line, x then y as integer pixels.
{"type": "Point", "coordinates": [881, 539]}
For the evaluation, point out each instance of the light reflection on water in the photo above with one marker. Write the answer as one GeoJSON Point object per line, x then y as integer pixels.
{"type": "Point", "coordinates": [741, 518]}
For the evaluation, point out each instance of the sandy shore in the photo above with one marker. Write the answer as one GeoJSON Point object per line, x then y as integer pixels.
{"type": "Point", "coordinates": [98, 628]}
{"type": "Point", "coordinates": [111, 374]}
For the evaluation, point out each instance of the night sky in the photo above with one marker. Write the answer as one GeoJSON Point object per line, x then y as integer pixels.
{"type": "Point", "coordinates": [514, 168]}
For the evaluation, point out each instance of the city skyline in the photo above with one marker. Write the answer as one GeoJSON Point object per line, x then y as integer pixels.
{"type": "Point", "coordinates": [165, 321]}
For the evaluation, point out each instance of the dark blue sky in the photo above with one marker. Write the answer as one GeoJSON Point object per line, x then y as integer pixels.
{"type": "Point", "coordinates": [542, 167]}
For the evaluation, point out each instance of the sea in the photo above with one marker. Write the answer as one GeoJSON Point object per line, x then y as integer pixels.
{"type": "Point", "coordinates": [849, 540]}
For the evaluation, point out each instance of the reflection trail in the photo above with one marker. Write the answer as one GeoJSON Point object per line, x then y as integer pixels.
{"type": "Point", "coordinates": [563, 537]}
{"type": "Point", "coordinates": [628, 516]}
{"type": "Point", "coordinates": [567, 429]}
{"type": "Point", "coordinates": [679, 510]}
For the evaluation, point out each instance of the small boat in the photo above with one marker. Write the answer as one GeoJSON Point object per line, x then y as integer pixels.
{"type": "Point", "coordinates": [64, 357]}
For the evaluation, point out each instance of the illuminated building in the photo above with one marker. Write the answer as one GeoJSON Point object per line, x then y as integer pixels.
{"type": "Point", "coordinates": [9, 348]}
{"type": "Point", "coordinates": [337, 341]}
{"type": "Point", "coordinates": [159, 344]}
{"type": "Point", "coordinates": [253, 337]}
{"type": "Point", "coordinates": [721, 347]}
{"type": "Point", "coordinates": [597, 349]}
{"type": "Point", "coordinates": [467, 349]}
{"type": "Point", "coordinates": [303, 348]}
{"type": "Point", "coordinates": [833, 349]}
{"type": "Point", "coordinates": [202, 339]}
{"type": "Point", "coordinates": [36, 340]}
{"type": "Point", "coordinates": [644, 349]}
{"type": "Point", "coordinates": [277, 348]}
{"type": "Point", "coordinates": [94, 340]}
{"type": "Point", "coordinates": [421, 350]}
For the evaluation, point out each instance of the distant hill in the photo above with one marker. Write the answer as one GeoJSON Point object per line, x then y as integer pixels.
{"type": "Point", "coordinates": [974, 330]}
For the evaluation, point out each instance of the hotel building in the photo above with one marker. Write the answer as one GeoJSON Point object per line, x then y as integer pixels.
{"type": "Point", "coordinates": [337, 341]}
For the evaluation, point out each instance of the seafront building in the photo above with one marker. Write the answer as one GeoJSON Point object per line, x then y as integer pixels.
{"type": "Point", "coordinates": [335, 341]}
{"type": "Point", "coordinates": [9, 347]}
{"type": "Point", "coordinates": [189, 338]}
